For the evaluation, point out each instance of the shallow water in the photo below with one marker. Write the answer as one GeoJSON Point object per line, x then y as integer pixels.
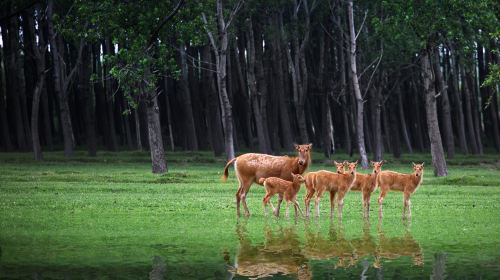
{"type": "Point", "coordinates": [258, 248]}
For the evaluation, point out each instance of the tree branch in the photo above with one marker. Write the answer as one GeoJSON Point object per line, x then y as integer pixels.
{"type": "Point", "coordinates": [209, 33]}
{"type": "Point", "coordinates": [234, 12]}
{"type": "Point", "coordinates": [155, 32]}
{"type": "Point", "coordinates": [361, 26]}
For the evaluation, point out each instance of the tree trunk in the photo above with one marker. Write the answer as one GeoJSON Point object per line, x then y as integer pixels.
{"type": "Point", "coordinates": [239, 58]}
{"type": "Point", "coordinates": [438, 160]}
{"type": "Point", "coordinates": [189, 125]}
{"type": "Point", "coordinates": [394, 128]}
{"type": "Point", "coordinates": [279, 61]}
{"type": "Point", "coordinates": [252, 91]}
{"type": "Point", "coordinates": [493, 103]}
{"type": "Point", "coordinates": [159, 164]}
{"type": "Point", "coordinates": [168, 108]}
{"type": "Point", "coordinates": [212, 113]}
{"type": "Point", "coordinates": [468, 112]}
{"type": "Point", "coordinates": [457, 94]}
{"type": "Point", "coordinates": [417, 129]}
{"type": "Point", "coordinates": [343, 92]}
{"type": "Point", "coordinates": [11, 47]}
{"type": "Point", "coordinates": [59, 87]}
{"type": "Point", "coordinates": [108, 49]}
{"type": "Point", "coordinates": [88, 102]}
{"type": "Point", "coordinates": [445, 103]}
{"type": "Point", "coordinates": [4, 124]}
{"type": "Point", "coordinates": [403, 120]}
{"type": "Point", "coordinates": [476, 110]}
{"type": "Point", "coordinates": [377, 122]}
{"type": "Point", "coordinates": [357, 92]}
{"type": "Point", "coordinates": [137, 129]}
{"type": "Point", "coordinates": [39, 57]}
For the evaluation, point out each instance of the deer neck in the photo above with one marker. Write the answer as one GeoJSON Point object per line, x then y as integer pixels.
{"type": "Point", "coordinates": [417, 179]}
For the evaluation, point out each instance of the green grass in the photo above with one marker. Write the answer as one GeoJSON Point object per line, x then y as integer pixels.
{"type": "Point", "coordinates": [108, 217]}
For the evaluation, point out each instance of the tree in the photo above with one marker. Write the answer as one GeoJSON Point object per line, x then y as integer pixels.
{"type": "Point", "coordinates": [219, 48]}
{"type": "Point", "coordinates": [357, 92]}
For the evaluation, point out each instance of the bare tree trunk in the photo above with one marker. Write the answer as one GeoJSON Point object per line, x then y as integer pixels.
{"type": "Point", "coordinates": [88, 102]}
{"type": "Point", "coordinates": [39, 57]}
{"type": "Point", "coordinates": [457, 94]}
{"type": "Point", "coordinates": [186, 102]}
{"type": "Point", "coordinates": [357, 92]}
{"type": "Point", "coordinates": [438, 160]}
{"type": "Point", "coordinates": [445, 103]}
{"type": "Point", "coordinates": [159, 164]}
{"type": "Point", "coordinates": [212, 112]}
{"type": "Point", "coordinates": [168, 108]}
{"type": "Point", "coordinates": [468, 112]}
{"type": "Point", "coordinates": [220, 51]}
{"type": "Point", "coordinates": [60, 85]}
{"type": "Point", "coordinates": [404, 127]}
{"type": "Point", "coordinates": [343, 91]}
{"type": "Point", "coordinates": [476, 110]}
{"type": "Point", "coordinates": [377, 122]}
{"type": "Point", "coordinates": [279, 62]}
{"type": "Point", "coordinates": [394, 128]}
{"type": "Point", "coordinates": [252, 90]}
{"type": "Point", "coordinates": [417, 129]}
{"type": "Point", "coordinates": [11, 47]}
{"type": "Point", "coordinates": [4, 125]}
{"type": "Point", "coordinates": [326, 114]}
{"type": "Point", "coordinates": [239, 57]}
{"type": "Point", "coordinates": [108, 48]}
{"type": "Point", "coordinates": [262, 90]}
{"type": "Point", "coordinates": [137, 129]}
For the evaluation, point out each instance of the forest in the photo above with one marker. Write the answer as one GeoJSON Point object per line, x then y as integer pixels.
{"type": "Point", "coordinates": [367, 77]}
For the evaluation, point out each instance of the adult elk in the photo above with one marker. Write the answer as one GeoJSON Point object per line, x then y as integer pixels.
{"type": "Point", "coordinates": [250, 168]}
{"type": "Point", "coordinates": [406, 183]}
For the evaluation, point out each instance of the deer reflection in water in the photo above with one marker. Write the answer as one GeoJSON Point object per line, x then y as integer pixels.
{"type": "Point", "coordinates": [282, 252]}
{"type": "Point", "coordinates": [391, 248]}
{"type": "Point", "coordinates": [279, 254]}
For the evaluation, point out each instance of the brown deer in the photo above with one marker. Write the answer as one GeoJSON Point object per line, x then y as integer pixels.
{"type": "Point", "coordinates": [366, 183]}
{"type": "Point", "coordinates": [406, 183]}
{"type": "Point", "coordinates": [289, 190]}
{"type": "Point", "coordinates": [335, 183]}
{"type": "Point", "coordinates": [250, 168]}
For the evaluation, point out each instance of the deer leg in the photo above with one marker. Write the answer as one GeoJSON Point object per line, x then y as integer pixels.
{"type": "Point", "coordinates": [332, 203]}
{"type": "Point", "coordinates": [297, 207]}
{"type": "Point", "coordinates": [265, 201]}
{"type": "Point", "coordinates": [366, 205]}
{"type": "Point", "coordinates": [243, 196]}
{"type": "Point", "coordinates": [316, 203]}
{"type": "Point", "coordinates": [280, 199]}
{"type": "Point", "coordinates": [380, 202]}
{"type": "Point", "coordinates": [340, 203]}
{"type": "Point", "coordinates": [406, 206]}
{"type": "Point", "coordinates": [307, 200]}
{"type": "Point", "coordinates": [276, 211]}
{"type": "Point", "coordinates": [286, 209]}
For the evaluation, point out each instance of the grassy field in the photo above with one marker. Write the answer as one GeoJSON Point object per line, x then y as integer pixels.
{"type": "Point", "coordinates": [108, 217]}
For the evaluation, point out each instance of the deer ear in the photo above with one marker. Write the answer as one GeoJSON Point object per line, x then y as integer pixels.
{"type": "Point", "coordinates": [423, 164]}
{"type": "Point", "coordinates": [413, 164]}
{"type": "Point", "coordinates": [335, 162]}
{"type": "Point", "coordinates": [310, 145]}
{"type": "Point", "coordinates": [296, 146]}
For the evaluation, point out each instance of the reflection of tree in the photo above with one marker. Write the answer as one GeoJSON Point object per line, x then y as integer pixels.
{"type": "Point", "coordinates": [439, 267]}
{"type": "Point", "coordinates": [280, 254]}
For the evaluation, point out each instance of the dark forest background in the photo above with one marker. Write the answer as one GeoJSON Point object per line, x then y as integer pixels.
{"type": "Point", "coordinates": [365, 77]}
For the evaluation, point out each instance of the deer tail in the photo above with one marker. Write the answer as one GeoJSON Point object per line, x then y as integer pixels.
{"type": "Point", "coordinates": [226, 171]}
{"type": "Point", "coordinates": [261, 180]}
